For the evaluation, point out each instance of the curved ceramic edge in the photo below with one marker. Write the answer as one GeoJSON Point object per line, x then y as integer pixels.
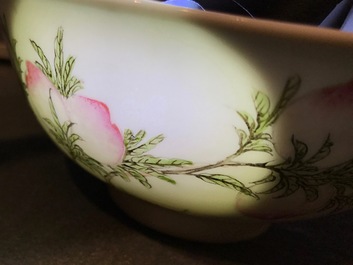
{"type": "Point", "coordinates": [240, 23]}
{"type": "Point", "coordinates": [76, 119]}
{"type": "Point", "coordinates": [186, 226]}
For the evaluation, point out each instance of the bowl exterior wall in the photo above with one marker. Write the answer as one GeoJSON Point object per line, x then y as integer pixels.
{"type": "Point", "coordinates": [197, 112]}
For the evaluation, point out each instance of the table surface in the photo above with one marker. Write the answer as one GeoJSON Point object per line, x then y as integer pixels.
{"type": "Point", "coordinates": [52, 212]}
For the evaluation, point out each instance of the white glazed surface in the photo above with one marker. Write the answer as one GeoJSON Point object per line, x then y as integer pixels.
{"type": "Point", "coordinates": [169, 71]}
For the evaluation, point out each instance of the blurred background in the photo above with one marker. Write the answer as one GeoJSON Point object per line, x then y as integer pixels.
{"type": "Point", "coordinates": [327, 13]}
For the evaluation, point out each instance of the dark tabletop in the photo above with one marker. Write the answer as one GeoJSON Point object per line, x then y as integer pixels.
{"type": "Point", "coordinates": [52, 212]}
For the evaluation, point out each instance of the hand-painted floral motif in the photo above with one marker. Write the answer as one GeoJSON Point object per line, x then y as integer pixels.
{"type": "Point", "coordinates": [87, 121]}
{"type": "Point", "coordinates": [83, 128]}
{"type": "Point", "coordinates": [308, 175]}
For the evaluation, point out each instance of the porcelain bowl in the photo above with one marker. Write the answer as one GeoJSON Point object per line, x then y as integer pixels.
{"type": "Point", "coordinates": [206, 126]}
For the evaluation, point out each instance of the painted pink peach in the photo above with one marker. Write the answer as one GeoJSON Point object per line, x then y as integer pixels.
{"type": "Point", "coordinates": [91, 119]}
{"type": "Point", "coordinates": [310, 119]}
{"type": "Point", "coordinates": [39, 90]}
{"type": "Point", "coordinates": [314, 117]}
{"type": "Point", "coordinates": [101, 138]}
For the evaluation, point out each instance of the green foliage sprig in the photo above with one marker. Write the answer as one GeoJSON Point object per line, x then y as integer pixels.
{"type": "Point", "coordinates": [300, 172]}
{"type": "Point", "coordinates": [61, 76]}
{"type": "Point", "coordinates": [257, 137]}
{"type": "Point", "coordinates": [140, 164]}
{"type": "Point", "coordinates": [69, 141]}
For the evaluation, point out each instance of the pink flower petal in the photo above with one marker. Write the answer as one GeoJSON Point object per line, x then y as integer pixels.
{"type": "Point", "coordinates": [39, 89]}
{"type": "Point", "coordinates": [102, 139]}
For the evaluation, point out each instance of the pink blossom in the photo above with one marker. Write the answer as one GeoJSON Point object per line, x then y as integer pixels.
{"type": "Point", "coordinates": [39, 88]}
{"type": "Point", "coordinates": [101, 139]}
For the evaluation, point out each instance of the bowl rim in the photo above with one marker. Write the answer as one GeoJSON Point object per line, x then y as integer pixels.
{"type": "Point", "coordinates": [267, 27]}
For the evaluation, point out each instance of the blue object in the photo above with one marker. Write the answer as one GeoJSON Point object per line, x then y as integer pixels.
{"type": "Point", "coordinates": [348, 23]}
{"type": "Point", "coordinates": [184, 3]}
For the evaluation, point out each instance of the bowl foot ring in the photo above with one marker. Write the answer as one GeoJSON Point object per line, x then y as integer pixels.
{"type": "Point", "coordinates": [185, 226]}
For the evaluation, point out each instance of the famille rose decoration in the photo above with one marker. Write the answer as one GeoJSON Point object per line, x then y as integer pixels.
{"type": "Point", "coordinates": [286, 153]}
{"type": "Point", "coordinates": [83, 128]}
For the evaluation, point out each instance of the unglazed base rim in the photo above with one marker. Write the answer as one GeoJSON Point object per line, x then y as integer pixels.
{"type": "Point", "coordinates": [185, 226]}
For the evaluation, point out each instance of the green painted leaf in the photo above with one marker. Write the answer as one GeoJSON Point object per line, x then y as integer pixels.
{"type": "Point", "coordinates": [300, 149]}
{"type": "Point", "coordinates": [323, 152]}
{"type": "Point", "coordinates": [165, 178]}
{"type": "Point", "coordinates": [249, 121]}
{"type": "Point", "coordinates": [291, 188]}
{"type": "Point", "coordinates": [127, 164]}
{"type": "Point", "coordinates": [136, 139]}
{"type": "Point", "coordinates": [45, 66]}
{"type": "Point", "coordinates": [59, 61]}
{"type": "Point", "coordinates": [73, 85]}
{"type": "Point", "coordinates": [63, 81]}
{"type": "Point", "coordinates": [243, 137]}
{"type": "Point", "coordinates": [68, 68]}
{"type": "Point", "coordinates": [42, 68]}
{"type": "Point", "coordinates": [49, 122]}
{"type": "Point", "coordinates": [265, 136]}
{"type": "Point", "coordinates": [158, 174]}
{"type": "Point", "coordinates": [66, 127]}
{"type": "Point", "coordinates": [140, 177]}
{"type": "Point", "coordinates": [119, 171]}
{"type": "Point", "coordinates": [269, 178]}
{"type": "Point", "coordinates": [127, 137]}
{"type": "Point", "coordinates": [227, 182]}
{"type": "Point", "coordinates": [156, 161]}
{"type": "Point", "coordinates": [291, 88]}
{"type": "Point", "coordinates": [144, 148]}
{"type": "Point", "coordinates": [52, 110]}
{"type": "Point", "coordinates": [279, 186]}
{"type": "Point", "coordinates": [262, 105]}
{"type": "Point", "coordinates": [260, 148]}
{"type": "Point", "coordinates": [74, 138]}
